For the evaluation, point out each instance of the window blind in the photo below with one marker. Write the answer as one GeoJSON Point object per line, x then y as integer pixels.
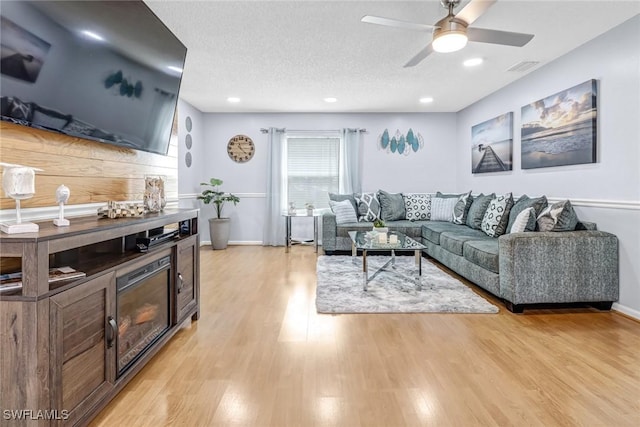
{"type": "Point", "coordinates": [313, 168]}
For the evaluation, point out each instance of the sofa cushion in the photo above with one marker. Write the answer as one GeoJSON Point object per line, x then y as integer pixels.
{"type": "Point", "coordinates": [391, 206]}
{"type": "Point", "coordinates": [432, 230]}
{"type": "Point", "coordinates": [50, 119]}
{"type": "Point", "coordinates": [368, 207]}
{"type": "Point", "coordinates": [525, 221]}
{"type": "Point", "coordinates": [417, 206]}
{"type": "Point", "coordinates": [461, 208]}
{"type": "Point", "coordinates": [343, 211]}
{"type": "Point", "coordinates": [344, 229]}
{"type": "Point", "coordinates": [442, 208]}
{"type": "Point", "coordinates": [524, 202]}
{"type": "Point", "coordinates": [494, 222]}
{"type": "Point", "coordinates": [559, 216]}
{"type": "Point", "coordinates": [477, 210]}
{"type": "Point", "coordinates": [483, 253]}
{"type": "Point", "coordinates": [412, 229]}
{"type": "Point", "coordinates": [77, 127]}
{"type": "Point", "coordinates": [340, 197]}
{"type": "Point", "coordinates": [453, 241]}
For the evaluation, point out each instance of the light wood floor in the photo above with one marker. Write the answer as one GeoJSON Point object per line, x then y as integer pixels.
{"type": "Point", "coordinates": [260, 355]}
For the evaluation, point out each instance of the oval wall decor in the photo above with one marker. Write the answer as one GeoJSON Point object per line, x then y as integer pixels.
{"type": "Point", "coordinates": [188, 124]}
{"type": "Point", "coordinates": [187, 159]}
{"type": "Point", "coordinates": [188, 141]}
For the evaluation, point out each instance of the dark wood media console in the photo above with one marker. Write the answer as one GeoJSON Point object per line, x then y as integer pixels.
{"type": "Point", "coordinates": [67, 347]}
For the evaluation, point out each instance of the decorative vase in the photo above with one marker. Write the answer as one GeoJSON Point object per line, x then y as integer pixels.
{"type": "Point", "coordinates": [219, 232]}
{"type": "Point", "coordinates": [154, 197]}
{"type": "Point", "coordinates": [310, 211]}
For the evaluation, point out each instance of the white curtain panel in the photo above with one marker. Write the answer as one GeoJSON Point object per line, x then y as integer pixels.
{"type": "Point", "coordinates": [350, 176]}
{"type": "Point", "coordinates": [274, 222]}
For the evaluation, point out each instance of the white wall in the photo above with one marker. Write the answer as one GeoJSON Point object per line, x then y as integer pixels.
{"type": "Point", "coordinates": [606, 192]}
{"type": "Point", "coordinates": [190, 177]}
{"type": "Point", "coordinates": [430, 169]}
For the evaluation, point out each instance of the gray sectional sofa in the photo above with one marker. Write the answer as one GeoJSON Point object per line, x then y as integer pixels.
{"type": "Point", "coordinates": [523, 268]}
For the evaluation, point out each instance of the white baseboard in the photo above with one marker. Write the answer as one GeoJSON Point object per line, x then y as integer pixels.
{"type": "Point", "coordinates": [626, 310]}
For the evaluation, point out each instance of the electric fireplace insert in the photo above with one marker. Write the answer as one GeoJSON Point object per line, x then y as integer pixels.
{"type": "Point", "coordinates": [143, 310]}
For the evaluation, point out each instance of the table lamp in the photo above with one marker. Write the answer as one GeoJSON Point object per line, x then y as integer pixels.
{"type": "Point", "coordinates": [18, 183]}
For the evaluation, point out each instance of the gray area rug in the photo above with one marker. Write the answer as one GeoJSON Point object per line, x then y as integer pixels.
{"type": "Point", "coordinates": [339, 288]}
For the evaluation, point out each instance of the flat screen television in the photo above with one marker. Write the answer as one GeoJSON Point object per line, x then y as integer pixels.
{"type": "Point", "coordinates": [108, 71]}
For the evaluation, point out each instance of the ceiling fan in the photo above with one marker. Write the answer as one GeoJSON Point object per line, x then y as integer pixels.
{"type": "Point", "coordinates": [452, 32]}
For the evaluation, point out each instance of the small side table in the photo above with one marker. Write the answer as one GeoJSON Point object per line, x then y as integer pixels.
{"type": "Point", "coordinates": [303, 214]}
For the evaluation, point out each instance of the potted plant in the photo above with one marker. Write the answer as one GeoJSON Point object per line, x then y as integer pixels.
{"type": "Point", "coordinates": [310, 208]}
{"type": "Point", "coordinates": [380, 226]}
{"type": "Point", "coordinates": [219, 226]}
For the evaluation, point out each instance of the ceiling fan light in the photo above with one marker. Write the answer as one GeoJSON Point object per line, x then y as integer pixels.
{"type": "Point", "coordinates": [450, 41]}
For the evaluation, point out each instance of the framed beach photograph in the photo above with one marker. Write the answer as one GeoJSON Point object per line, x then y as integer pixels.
{"type": "Point", "coordinates": [561, 129]}
{"type": "Point", "coordinates": [492, 145]}
{"type": "Point", "coordinates": [21, 52]}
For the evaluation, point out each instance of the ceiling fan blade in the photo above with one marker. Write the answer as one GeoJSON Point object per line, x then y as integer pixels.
{"type": "Point", "coordinates": [484, 35]}
{"type": "Point", "coordinates": [474, 9]}
{"type": "Point", "coordinates": [396, 23]}
{"type": "Point", "coordinates": [420, 56]}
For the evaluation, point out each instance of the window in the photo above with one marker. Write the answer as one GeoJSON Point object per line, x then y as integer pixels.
{"type": "Point", "coordinates": [312, 168]}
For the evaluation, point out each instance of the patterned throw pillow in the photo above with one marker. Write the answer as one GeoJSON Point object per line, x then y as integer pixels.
{"type": "Point", "coordinates": [442, 208]}
{"type": "Point", "coordinates": [494, 222]}
{"type": "Point", "coordinates": [461, 209]}
{"type": "Point", "coordinates": [391, 206]}
{"type": "Point", "coordinates": [343, 211]}
{"type": "Point", "coordinates": [558, 217]}
{"type": "Point", "coordinates": [538, 204]}
{"type": "Point", "coordinates": [368, 206]}
{"type": "Point", "coordinates": [417, 206]}
{"type": "Point", "coordinates": [524, 221]}
{"type": "Point", "coordinates": [20, 110]}
{"type": "Point", "coordinates": [477, 210]}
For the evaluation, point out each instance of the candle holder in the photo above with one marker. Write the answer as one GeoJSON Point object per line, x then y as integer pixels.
{"type": "Point", "coordinates": [62, 197]}
{"type": "Point", "coordinates": [18, 183]}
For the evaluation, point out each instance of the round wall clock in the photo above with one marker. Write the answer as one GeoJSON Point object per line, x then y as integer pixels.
{"type": "Point", "coordinates": [240, 148]}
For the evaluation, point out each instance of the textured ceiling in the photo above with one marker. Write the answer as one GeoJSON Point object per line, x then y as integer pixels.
{"type": "Point", "coordinates": [287, 56]}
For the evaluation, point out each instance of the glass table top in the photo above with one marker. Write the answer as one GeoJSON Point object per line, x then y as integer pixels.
{"type": "Point", "coordinates": [369, 240]}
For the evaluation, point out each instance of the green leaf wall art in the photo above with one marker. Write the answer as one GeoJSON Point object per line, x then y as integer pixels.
{"type": "Point", "coordinates": [399, 143]}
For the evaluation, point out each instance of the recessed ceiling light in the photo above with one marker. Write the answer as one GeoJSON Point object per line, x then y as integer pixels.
{"type": "Point", "coordinates": [473, 62]}
{"type": "Point", "coordinates": [426, 100]}
{"type": "Point", "coordinates": [330, 99]}
{"type": "Point", "coordinates": [93, 35]}
{"type": "Point", "coordinates": [172, 68]}
{"type": "Point", "coordinates": [233, 99]}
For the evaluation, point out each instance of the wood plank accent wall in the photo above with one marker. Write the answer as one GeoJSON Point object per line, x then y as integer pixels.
{"type": "Point", "coordinates": [93, 171]}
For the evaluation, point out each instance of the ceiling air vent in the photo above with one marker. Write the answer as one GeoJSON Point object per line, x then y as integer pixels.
{"type": "Point", "coordinates": [523, 66]}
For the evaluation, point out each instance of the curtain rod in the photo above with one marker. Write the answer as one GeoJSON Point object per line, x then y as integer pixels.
{"type": "Point", "coordinates": [263, 130]}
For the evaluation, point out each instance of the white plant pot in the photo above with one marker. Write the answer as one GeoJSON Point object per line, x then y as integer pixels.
{"type": "Point", "coordinates": [219, 232]}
